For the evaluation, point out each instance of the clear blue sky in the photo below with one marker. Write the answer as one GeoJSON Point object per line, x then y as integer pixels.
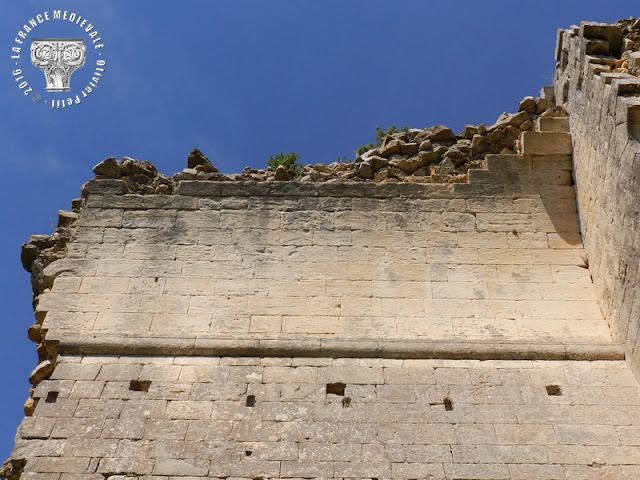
{"type": "Point", "coordinates": [242, 80]}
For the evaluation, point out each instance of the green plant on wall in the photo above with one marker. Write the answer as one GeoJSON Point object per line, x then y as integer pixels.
{"type": "Point", "coordinates": [288, 161]}
{"type": "Point", "coordinates": [380, 135]}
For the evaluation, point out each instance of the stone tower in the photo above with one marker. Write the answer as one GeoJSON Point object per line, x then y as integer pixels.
{"type": "Point", "coordinates": [446, 307]}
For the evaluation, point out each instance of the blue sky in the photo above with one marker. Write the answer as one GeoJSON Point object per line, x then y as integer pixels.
{"type": "Point", "coordinates": [242, 80]}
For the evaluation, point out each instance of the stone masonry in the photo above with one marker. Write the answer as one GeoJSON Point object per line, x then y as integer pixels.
{"type": "Point", "coordinates": [428, 311]}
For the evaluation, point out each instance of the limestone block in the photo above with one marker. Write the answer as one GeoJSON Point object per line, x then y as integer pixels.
{"type": "Point", "coordinates": [42, 371]}
{"type": "Point", "coordinates": [60, 464]}
{"type": "Point", "coordinates": [310, 324]}
{"type": "Point", "coordinates": [552, 162]}
{"type": "Point", "coordinates": [197, 188]}
{"type": "Point", "coordinates": [458, 222]}
{"type": "Point", "coordinates": [265, 323]}
{"type": "Point", "coordinates": [409, 376]}
{"type": "Point", "coordinates": [129, 428]}
{"type": "Point", "coordinates": [113, 372]}
{"type": "Point", "coordinates": [34, 427]}
{"type": "Point", "coordinates": [536, 205]}
{"type": "Point", "coordinates": [138, 466]}
{"type": "Point", "coordinates": [188, 410]}
{"type": "Point", "coordinates": [329, 452]}
{"type": "Point", "coordinates": [351, 375]}
{"type": "Point", "coordinates": [552, 124]}
{"type": "Point", "coordinates": [479, 470]}
{"type": "Point", "coordinates": [103, 408]}
{"type": "Point", "coordinates": [546, 143]}
{"type": "Point", "coordinates": [555, 223]}
{"type": "Point", "coordinates": [148, 252]}
{"type": "Point", "coordinates": [503, 222]}
{"type": "Point", "coordinates": [545, 176]}
{"type": "Point", "coordinates": [518, 434]}
{"type": "Point", "coordinates": [488, 240]}
{"type": "Point", "coordinates": [103, 284]}
{"type": "Point", "coordinates": [158, 218]}
{"type": "Point", "coordinates": [103, 186]}
{"type": "Point", "coordinates": [460, 290]}
{"type": "Point", "coordinates": [487, 205]}
{"type": "Point", "coordinates": [174, 466]}
{"type": "Point", "coordinates": [307, 469]}
{"type": "Point", "coordinates": [298, 375]}
{"type": "Point", "coordinates": [527, 240]}
{"type": "Point", "coordinates": [367, 327]}
{"type": "Point", "coordinates": [514, 291]}
{"type": "Point", "coordinates": [402, 307]}
{"type": "Point", "coordinates": [74, 371]}
{"type": "Point", "coordinates": [586, 435]}
{"type": "Point", "coordinates": [101, 218]}
{"type": "Point", "coordinates": [469, 273]}
{"type": "Point", "coordinates": [362, 469]}
{"type": "Point", "coordinates": [513, 162]}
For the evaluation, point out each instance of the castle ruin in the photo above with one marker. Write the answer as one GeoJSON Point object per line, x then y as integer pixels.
{"type": "Point", "coordinates": [445, 307]}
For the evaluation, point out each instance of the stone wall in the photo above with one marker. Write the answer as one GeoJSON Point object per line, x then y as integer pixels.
{"type": "Point", "coordinates": [117, 417]}
{"type": "Point", "coordinates": [327, 330]}
{"type": "Point", "coordinates": [427, 311]}
{"type": "Point", "coordinates": [597, 83]}
{"type": "Point", "coordinates": [289, 263]}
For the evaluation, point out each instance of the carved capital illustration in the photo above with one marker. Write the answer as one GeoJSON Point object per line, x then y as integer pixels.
{"type": "Point", "coordinates": [58, 58]}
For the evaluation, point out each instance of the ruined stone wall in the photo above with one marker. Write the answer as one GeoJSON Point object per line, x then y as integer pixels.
{"type": "Point", "coordinates": [380, 319]}
{"type": "Point", "coordinates": [284, 265]}
{"type": "Point", "coordinates": [597, 83]}
{"type": "Point", "coordinates": [327, 330]}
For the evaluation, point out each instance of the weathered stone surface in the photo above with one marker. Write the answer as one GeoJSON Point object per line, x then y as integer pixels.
{"type": "Point", "coordinates": [546, 143]}
{"type": "Point", "coordinates": [435, 134]}
{"type": "Point", "coordinates": [41, 372]}
{"type": "Point", "coordinates": [281, 174]}
{"type": "Point", "coordinates": [553, 124]}
{"type": "Point", "coordinates": [377, 162]}
{"type": "Point", "coordinates": [109, 168]}
{"type": "Point", "coordinates": [425, 145]}
{"type": "Point", "coordinates": [528, 104]}
{"type": "Point", "coordinates": [196, 158]}
{"type": "Point", "coordinates": [390, 148]}
{"type": "Point", "coordinates": [365, 170]}
{"type": "Point", "coordinates": [409, 148]}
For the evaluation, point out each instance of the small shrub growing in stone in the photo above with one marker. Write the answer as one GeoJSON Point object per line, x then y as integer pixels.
{"type": "Point", "coordinates": [288, 161]}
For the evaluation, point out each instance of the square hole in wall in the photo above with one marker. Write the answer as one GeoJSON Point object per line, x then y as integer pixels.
{"type": "Point", "coordinates": [51, 397]}
{"type": "Point", "coordinates": [554, 390]}
{"type": "Point", "coordinates": [139, 385]}
{"type": "Point", "coordinates": [336, 388]}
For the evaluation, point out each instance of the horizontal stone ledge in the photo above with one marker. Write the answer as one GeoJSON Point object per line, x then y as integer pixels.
{"type": "Point", "coordinates": [340, 348]}
{"type": "Point", "coordinates": [111, 194]}
{"type": "Point", "coordinates": [206, 188]}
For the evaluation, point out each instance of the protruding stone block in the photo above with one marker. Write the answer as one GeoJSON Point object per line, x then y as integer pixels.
{"type": "Point", "coordinates": [553, 124]}
{"type": "Point", "coordinates": [546, 143]}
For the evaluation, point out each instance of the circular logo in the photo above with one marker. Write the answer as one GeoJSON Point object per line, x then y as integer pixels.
{"type": "Point", "coordinates": [57, 59]}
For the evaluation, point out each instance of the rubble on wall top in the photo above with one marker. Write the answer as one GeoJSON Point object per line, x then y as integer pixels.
{"type": "Point", "coordinates": [618, 43]}
{"type": "Point", "coordinates": [429, 155]}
